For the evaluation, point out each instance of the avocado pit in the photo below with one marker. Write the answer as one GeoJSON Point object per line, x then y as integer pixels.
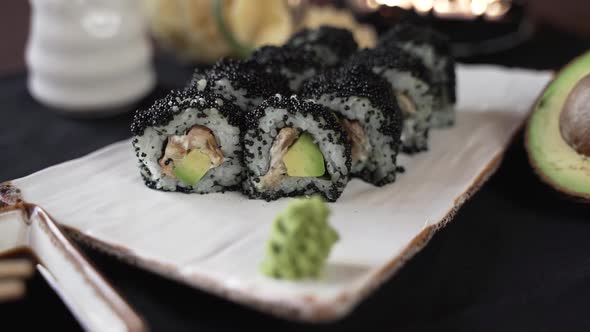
{"type": "Point", "coordinates": [574, 120]}
{"type": "Point", "coordinates": [558, 131]}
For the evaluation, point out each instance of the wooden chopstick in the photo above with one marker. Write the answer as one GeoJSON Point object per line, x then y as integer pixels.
{"type": "Point", "coordinates": [16, 268]}
{"type": "Point", "coordinates": [11, 289]}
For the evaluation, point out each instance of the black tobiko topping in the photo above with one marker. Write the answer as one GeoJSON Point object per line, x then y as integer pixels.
{"type": "Point", "coordinates": [273, 59]}
{"type": "Point", "coordinates": [392, 57]}
{"type": "Point", "coordinates": [295, 105]}
{"type": "Point", "coordinates": [163, 110]}
{"type": "Point", "coordinates": [331, 195]}
{"type": "Point", "coordinates": [424, 35]}
{"type": "Point", "coordinates": [339, 41]}
{"type": "Point", "coordinates": [247, 75]}
{"type": "Point", "coordinates": [358, 81]}
{"type": "Point", "coordinates": [417, 34]}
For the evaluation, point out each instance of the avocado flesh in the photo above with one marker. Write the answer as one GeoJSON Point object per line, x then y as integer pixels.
{"type": "Point", "coordinates": [558, 163]}
{"type": "Point", "coordinates": [304, 158]}
{"type": "Point", "coordinates": [192, 167]}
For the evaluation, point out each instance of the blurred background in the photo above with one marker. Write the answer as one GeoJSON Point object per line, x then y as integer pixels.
{"type": "Point", "coordinates": [101, 58]}
{"type": "Point", "coordinates": [479, 28]}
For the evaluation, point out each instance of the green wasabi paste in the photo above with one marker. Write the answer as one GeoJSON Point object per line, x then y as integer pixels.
{"type": "Point", "coordinates": [300, 241]}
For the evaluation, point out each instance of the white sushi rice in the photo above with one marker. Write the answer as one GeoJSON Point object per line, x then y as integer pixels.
{"type": "Point", "coordinates": [153, 141]}
{"type": "Point", "coordinates": [427, 54]}
{"type": "Point", "coordinates": [381, 158]}
{"type": "Point", "coordinates": [415, 125]}
{"type": "Point", "coordinates": [443, 113]}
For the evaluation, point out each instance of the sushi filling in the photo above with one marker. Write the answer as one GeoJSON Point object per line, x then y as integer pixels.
{"type": "Point", "coordinates": [293, 154]}
{"type": "Point", "coordinates": [361, 146]}
{"type": "Point", "coordinates": [200, 144]}
{"type": "Point", "coordinates": [406, 104]}
{"type": "Point", "coordinates": [278, 170]}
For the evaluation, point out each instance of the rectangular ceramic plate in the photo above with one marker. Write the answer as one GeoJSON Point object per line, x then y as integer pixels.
{"type": "Point", "coordinates": [216, 242]}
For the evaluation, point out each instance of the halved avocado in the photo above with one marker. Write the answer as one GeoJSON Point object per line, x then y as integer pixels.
{"type": "Point", "coordinates": [557, 135]}
{"type": "Point", "coordinates": [304, 158]}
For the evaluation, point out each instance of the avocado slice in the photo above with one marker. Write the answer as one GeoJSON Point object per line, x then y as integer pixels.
{"type": "Point", "coordinates": [192, 167]}
{"type": "Point", "coordinates": [563, 112]}
{"type": "Point", "coordinates": [304, 158]}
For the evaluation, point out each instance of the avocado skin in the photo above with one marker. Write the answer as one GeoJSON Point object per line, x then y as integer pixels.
{"type": "Point", "coordinates": [163, 110]}
{"type": "Point", "coordinates": [552, 91]}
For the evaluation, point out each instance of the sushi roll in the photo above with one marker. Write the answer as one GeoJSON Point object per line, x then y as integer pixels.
{"type": "Point", "coordinates": [411, 83]}
{"type": "Point", "coordinates": [369, 114]}
{"type": "Point", "coordinates": [292, 148]}
{"type": "Point", "coordinates": [294, 65]}
{"type": "Point", "coordinates": [434, 50]}
{"type": "Point", "coordinates": [330, 44]}
{"type": "Point", "coordinates": [242, 82]}
{"type": "Point", "coordinates": [189, 142]}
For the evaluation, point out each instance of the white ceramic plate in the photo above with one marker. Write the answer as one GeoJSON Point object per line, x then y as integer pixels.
{"type": "Point", "coordinates": [216, 242]}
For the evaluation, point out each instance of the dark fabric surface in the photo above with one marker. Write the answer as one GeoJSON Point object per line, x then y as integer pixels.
{"type": "Point", "coordinates": [515, 258]}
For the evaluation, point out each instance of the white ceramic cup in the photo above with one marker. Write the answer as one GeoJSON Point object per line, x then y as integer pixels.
{"type": "Point", "coordinates": [88, 57]}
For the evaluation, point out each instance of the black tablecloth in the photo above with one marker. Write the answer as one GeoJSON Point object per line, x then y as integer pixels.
{"type": "Point", "coordinates": [516, 257]}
